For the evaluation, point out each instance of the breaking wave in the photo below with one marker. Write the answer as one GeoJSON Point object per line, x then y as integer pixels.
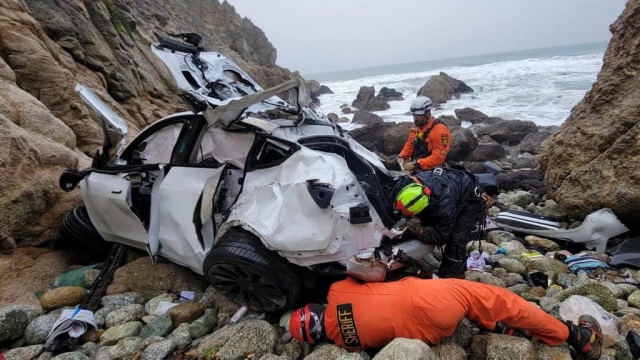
{"type": "Point", "coordinates": [542, 90]}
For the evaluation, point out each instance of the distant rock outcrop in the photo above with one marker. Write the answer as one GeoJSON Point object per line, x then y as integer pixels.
{"type": "Point", "coordinates": [442, 88]}
{"type": "Point", "coordinates": [368, 101]}
{"type": "Point", "coordinates": [593, 161]}
{"type": "Point", "coordinates": [391, 94]}
{"type": "Point", "coordinates": [470, 115]}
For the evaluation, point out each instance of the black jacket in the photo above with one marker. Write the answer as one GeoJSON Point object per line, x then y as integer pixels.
{"type": "Point", "coordinates": [451, 192]}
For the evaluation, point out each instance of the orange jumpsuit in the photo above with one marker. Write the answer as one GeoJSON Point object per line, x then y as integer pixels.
{"type": "Point", "coordinates": [369, 315]}
{"type": "Point", "coordinates": [438, 143]}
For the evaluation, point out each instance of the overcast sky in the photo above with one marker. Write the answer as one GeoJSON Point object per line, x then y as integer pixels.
{"type": "Point", "coordinates": [320, 36]}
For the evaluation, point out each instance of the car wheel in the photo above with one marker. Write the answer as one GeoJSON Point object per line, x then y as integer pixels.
{"type": "Point", "coordinates": [246, 271]}
{"type": "Point", "coordinates": [81, 237]}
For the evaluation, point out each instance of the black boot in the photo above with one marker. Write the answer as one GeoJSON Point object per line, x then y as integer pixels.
{"type": "Point", "coordinates": [502, 328]}
{"type": "Point", "coordinates": [586, 337]}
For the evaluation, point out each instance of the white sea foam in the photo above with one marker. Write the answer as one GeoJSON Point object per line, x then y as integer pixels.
{"type": "Point", "coordinates": [541, 90]}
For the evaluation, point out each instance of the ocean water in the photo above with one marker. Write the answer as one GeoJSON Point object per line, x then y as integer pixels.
{"type": "Point", "coordinates": [541, 85]}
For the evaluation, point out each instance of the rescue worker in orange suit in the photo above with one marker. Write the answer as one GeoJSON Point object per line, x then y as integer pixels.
{"type": "Point", "coordinates": [429, 139]}
{"type": "Point", "coordinates": [443, 207]}
{"type": "Point", "coordinates": [361, 316]}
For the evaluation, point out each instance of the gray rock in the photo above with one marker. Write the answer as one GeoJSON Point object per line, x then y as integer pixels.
{"type": "Point", "coordinates": [118, 332]}
{"type": "Point", "coordinates": [208, 298]}
{"type": "Point", "coordinates": [465, 330]}
{"type": "Point", "coordinates": [525, 161]}
{"type": "Point", "coordinates": [24, 353]}
{"type": "Point", "coordinates": [151, 305]}
{"type": "Point", "coordinates": [623, 351]}
{"type": "Point", "coordinates": [553, 210]}
{"type": "Point", "coordinates": [103, 353]}
{"type": "Point", "coordinates": [451, 122]}
{"type": "Point", "coordinates": [251, 336]}
{"type": "Point", "coordinates": [617, 292]}
{"type": "Point", "coordinates": [354, 356]}
{"type": "Point", "coordinates": [274, 356]}
{"type": "Point", "coordinates": [125, 314]}
{"type": "Point", "coordinates": [158, 351]}
{"type": "Point", "coordinates": [519, 198]}
{"type": "Point", "coordinates": [494, 211]}
{"type": "Point", "coordinates": [621, 304]}
{"type": "Point", "coordinates": [567, 279]}
{"type": "Point", "coordinates": [512, 279]}
{"type": "Point", "coordinates": [547, 303]}
{"type": "Point", "coordinates": [366, 118]}
{"type": "Point", "coordinates": [15, 319]}
{"type": "Point", "coordinates": [531, 143]}
{"type": "Point", "coordinates": [406, 349]}
{"type": "Point", "coordinates": [513, 266]}
{"type": "Point", "coordinates": [100, 316]}
{"type": "Point", "coordinates": [634, 299]}
{"type": "Point", "coordinates": [148, 318]}
{"type": "Point", "coordinates": [498, 236]}
{"type": "Point", "coordinates": [160, 326]}
{"type": "Point", "coordinates": [520, 288]}
{"type": "Point", "coordinates": [292, 350]}
{"type": "Point", "coordinates": [513, 247]}
{"type": "Point", "coordinates": [546, 263]}
{"type": "Point", "coordinates": [90, 349]}
{"type": "Point", "coordinates": [486, 247]}
{"type": "Point", "coordinates": [204, 324]}
{"type": "Point", "coordinates": [501, 347]}
{"type": "Point", "coordinates": [333, 117]}
{"type": "Point", "coordinates": [486, 152]}
{"type": "Point", "coordinates": [180, 336]}
{"type": "Point", "coordinates": [151, 340]}
{"type": "Point", "coordinates": [448, 351]}
{"type": "Point", "coordinates": [484, 278]}
{"type": "Point", "coordinates": [71, 356]}
{"type": "Point", "coordinates": [470, 115]}
{"type": "Point", "coordinates": [126, 348]}
{"type": "Point", "coordinates": [89, 277]}
{"type": "Point", "coordinates": [46, 356]}
{"type": "Point", "coordinates": [627, 289]}
{"type": "Point", "coordinates": [463, 142]}
{"type": "Point", "coordinates": [500, 273]}
{"type": "Point", "coordinates": [326, 351]}
{"type": "Point", "coordinates": [120, 300]}
{"type": "Point", "coordinates": [509, 132]}
{"type": "Point", "coordinates": [561, 352]}
{"type": "Point", "coordinates": [38, 329]}
{"type": "Point", "coordinates": [593, 288]}
{"type": "Point", "coordinates": [368, 101]}
{"type": "Point", "coordinates": [552, 291]}
{"type": "Point", "coordinates": [442, 88]}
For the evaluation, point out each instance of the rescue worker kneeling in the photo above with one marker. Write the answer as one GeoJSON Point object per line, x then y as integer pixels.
{"type": "Point", "coordinates": [362, 316]}
{"type": "Point", "coordinates": [443, 207]}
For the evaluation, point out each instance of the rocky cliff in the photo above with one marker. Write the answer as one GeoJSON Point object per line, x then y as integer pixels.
{"type": "Point", "coordinates": [46, 46]}
{"type": "Point", "coordinates": [593, 161]}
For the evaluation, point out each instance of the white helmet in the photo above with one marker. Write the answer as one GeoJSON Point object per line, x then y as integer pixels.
{"type": "Point", "coordinates": [420, 105]}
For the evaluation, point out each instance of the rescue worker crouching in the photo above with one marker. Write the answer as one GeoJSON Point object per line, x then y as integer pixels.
{"type": "Point", "coordinates": [443, 207]}
{"type": "Point", "coordinates": [361, 316]}
{"type": "Point", "coordinates": [429, 139]}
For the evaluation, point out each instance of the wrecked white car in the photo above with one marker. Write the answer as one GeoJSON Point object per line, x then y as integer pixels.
{"type": "Point", "coordinates": [257, 194]}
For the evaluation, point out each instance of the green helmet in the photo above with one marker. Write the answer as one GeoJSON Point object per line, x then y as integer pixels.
{"type": "Point", "coordinates": [412, 199]}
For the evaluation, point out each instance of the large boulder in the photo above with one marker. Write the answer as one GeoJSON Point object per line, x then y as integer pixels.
{"type": "Point", "coordinates": [323, 89]}
{"type": "Point", "coordinates": [451, 121]}
{"type": "Point", "coordinates": [406, 349]}
{"type": "Point", "coordinates": [509, 132]}
{"type": "Point", "coordinates": [366, 118]}
{"type": "Point", "coordinates": [593, 161]}
{"type": "Point", "coordinates": [396, 137]}
{"type": "Point", "coordinates": [391, 94]}
{"type": "Point", "coordinates": [166, 277]}
{"type": "Point", "coordinates": [471, 115]}
{"type": "Point", "coordinates": [372, 136]}
{"type": "Point", "coordinates": [531, 143]}
{"type": "Point", "coordinates": [525, 161]}
{"type": "Point", "coordinates": [368, 101]}
{"type": "Point", "coordinates": [486, 152]}
{"type": "Point", "coordinates": [514, 180]}
{"type": "Point", "coordinates": [442, 88]}
{"type": "Point", "coordinates": [502, 347]}
{"type": "Point", "coordinates": [463, 142]}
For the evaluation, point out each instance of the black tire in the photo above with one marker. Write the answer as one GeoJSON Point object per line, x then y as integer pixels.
{"type": "Point", "coordinates": [245, 270]}
{"type": "Point", "coordinates": [80, 237]}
